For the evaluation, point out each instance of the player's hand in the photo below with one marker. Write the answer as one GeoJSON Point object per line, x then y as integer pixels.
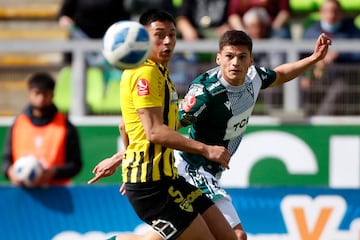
{"type": "Point", "coordinates": [11, 174]}
{"type": "Point", "coordinates": [322, 46]}
{"type": "Point", "coordinates": [218, 154]}
{"type": "Point", "coordinates": [122, 189]}
{"type": "Point", "coordinates": [107, 167]}
{"type": "Point", "coordinates": [44, 179]}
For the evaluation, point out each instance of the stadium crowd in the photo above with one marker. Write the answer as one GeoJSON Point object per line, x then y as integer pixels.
{"type": "Point", "coordinates": [208, 19]}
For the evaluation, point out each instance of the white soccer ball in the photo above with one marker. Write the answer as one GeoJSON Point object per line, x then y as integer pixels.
{"type": "Point", "coordinates": [27, 169]}
{"type": "Point", "coordinates": [126, 44]}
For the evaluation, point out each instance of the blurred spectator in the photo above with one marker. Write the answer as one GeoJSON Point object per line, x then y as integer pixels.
{"type": "Point", "coordinates": [335, 25]}
{"type": "Point", "coordinates": [202, 19]}
{"type": "Point", "coordinates": [45, 133]}
{"type": "Point", "coordinates": [278, 10]}
{"type": "Point", "coordinates": [257, 24]}
{"type": "Point", "coordinates": [90, 19]}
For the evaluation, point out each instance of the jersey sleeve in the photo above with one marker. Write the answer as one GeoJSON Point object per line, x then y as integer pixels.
{"type": "Point", "coordinates": [193, 104]}
{"type": "Point", "coordinates": [148, 88]}
{"type": "Point", "coordinates": [267, 76]}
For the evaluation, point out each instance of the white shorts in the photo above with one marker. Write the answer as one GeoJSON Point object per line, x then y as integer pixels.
{"type": "Point", "coordinates": [210, 186]}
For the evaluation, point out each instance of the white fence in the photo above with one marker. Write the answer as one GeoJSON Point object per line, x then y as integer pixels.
{"type": "Point", "coordinates": [291, 93]}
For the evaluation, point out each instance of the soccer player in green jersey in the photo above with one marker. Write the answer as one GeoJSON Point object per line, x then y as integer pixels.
{"type": "Point", "coordinates": [218, 105]}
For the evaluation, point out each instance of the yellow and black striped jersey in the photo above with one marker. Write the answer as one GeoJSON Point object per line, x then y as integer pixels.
{"type": "Point", "coordinates": [147, 86]}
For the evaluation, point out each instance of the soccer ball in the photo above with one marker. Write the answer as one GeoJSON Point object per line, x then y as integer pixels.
{"type": "Point", "coordinates": [126, 44]}
{"type": "Point", "coordinates": [27, 169]}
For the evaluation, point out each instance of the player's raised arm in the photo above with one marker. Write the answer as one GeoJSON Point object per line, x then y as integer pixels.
{"type": "Point", "coordinates": [289, 71]}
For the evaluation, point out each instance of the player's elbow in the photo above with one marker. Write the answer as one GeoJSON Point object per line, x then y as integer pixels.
{"type": "Point", "coordinates": [155, 136]}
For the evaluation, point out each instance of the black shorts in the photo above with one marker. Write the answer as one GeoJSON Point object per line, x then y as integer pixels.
{"type": "Point", "coordinates": [169, 206]}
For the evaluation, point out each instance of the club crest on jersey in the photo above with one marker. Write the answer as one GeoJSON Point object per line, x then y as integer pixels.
{"type": "Point", "coordinates": [143, 87]}
{"type": "Point", "coordinates": [227, 105]}
{"type": "Point", "coordinates": [188, 102]}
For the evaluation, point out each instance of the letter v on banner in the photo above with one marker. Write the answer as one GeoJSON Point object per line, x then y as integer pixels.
{"type": "Point", "coordinates": [312, 219]}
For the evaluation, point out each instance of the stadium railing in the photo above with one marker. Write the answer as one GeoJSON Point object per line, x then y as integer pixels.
{"type": "Point", "coordinates": [289, 106]}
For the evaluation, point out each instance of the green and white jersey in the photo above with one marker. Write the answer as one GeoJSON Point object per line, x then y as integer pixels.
{"type": "Point", "coordinates": [219, 112]}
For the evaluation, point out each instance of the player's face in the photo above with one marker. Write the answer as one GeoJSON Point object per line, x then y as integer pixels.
{"type": "Point", "coordinates": [41, 100]}
{"type": "Point", "coordinates": [234, 62]}
{"type": "Point", "coordinates": [163, 38]}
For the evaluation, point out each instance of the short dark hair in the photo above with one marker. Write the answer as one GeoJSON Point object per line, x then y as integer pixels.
{"type": "Point", "coordinates": [153, 15]}
{"type": "Point", "coordinates": [235, 37]}
{"type": "Point", "coordinates": [41, 80]}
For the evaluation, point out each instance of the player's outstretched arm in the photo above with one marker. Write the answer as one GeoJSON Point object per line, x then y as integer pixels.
{"type": "Point", "coordinates": [107, 167]}
{"type": "Point", "coordinates": [289, 71]}
{"type": "Point", "coordinates": [158, 133]}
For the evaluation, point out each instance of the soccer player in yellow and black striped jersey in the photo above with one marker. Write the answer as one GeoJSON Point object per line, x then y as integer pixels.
{"type": "Point", "coordinates": [174, 208]}
{"type": "Point", "coordinates": [147, 86]}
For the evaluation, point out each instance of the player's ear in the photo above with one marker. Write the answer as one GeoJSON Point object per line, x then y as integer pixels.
{"type": "Point", "coordinates": [218, 58]}
{"type": "Point", "coordinates": [251, 60]}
